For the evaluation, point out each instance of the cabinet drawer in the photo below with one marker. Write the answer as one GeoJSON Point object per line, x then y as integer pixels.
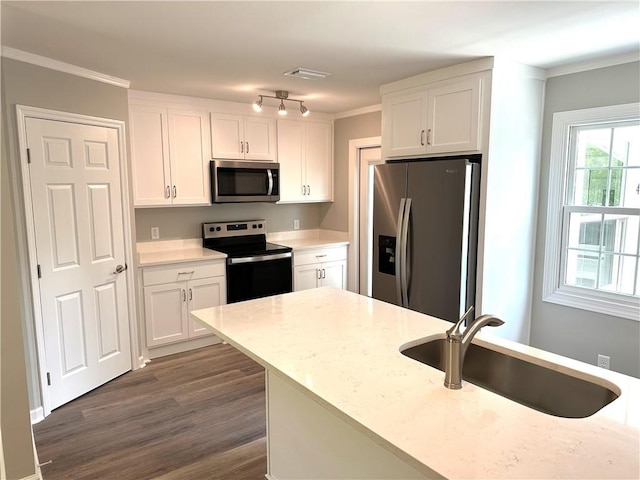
{"type": "Point", "coordinates": [181, 272]}
{"type": "Point", "coordinates": [319, 256]}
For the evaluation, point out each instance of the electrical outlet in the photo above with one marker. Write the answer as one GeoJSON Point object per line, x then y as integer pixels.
{"type": "Point", "coordinates": [296, 224]}
{"type": "Point", "coordinates": [603, 361]}
{"type": "Point", "coordinates": [155, 233]}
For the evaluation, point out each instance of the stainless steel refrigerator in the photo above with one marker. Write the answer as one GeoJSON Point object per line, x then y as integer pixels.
{"type": "Point", "coordinates": [425, 231]}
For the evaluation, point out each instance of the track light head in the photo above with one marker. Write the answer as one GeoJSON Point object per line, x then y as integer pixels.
{"type": "Point", "coordinates": [282, 110]}
{"type": "Point", "coordinates": [304, 110]}
{"type": "Point", "coordinates": [258, 105]}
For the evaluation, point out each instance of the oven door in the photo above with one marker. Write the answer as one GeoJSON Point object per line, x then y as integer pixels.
{"type": "Point", "coordinates": [258, 276]}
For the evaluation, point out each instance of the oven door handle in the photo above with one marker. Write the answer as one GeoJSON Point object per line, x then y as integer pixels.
{"type": "Point", "coordinates": [258, 258]}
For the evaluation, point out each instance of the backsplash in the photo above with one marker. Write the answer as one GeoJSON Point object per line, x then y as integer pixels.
{"type": "Point", "coordinates": [177, 223]}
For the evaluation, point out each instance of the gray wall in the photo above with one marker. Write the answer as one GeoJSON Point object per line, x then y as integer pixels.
{"type": "Point", "coordinates": [30, 85]}
{"type": "Point", "coordinates": [567, 331]}
{"type": "Point", "coordinates": [336, 215]}
{"type": "Point", "coordinates": [185, 222]}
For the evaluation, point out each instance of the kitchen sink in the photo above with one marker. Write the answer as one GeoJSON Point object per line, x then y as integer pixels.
{"type": "Point", "coordinates": [538, 387]}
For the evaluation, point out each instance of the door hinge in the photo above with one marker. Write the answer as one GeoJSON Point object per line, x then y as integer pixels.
{"type": "Point", "coordinates": [39, 271]}
{"type": "Point", "coordinates": [48, 379]}
{"type": "Point", "coordinates": [28, 155]}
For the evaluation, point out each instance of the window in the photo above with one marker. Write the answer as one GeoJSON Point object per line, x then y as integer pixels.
{"type": "Point", "coordinates": [592, 254]}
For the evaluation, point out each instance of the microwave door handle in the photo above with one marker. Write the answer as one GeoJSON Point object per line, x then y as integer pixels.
{"type": "Point", "coordinates": [270, 186]}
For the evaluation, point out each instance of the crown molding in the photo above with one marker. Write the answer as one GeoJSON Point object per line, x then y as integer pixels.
{"type": "Point", "coordinates": [604, 62]}
{"type": "Point", "coordinates": [359, 111]}
{"type": "Point", "coordinates": [52, 64]}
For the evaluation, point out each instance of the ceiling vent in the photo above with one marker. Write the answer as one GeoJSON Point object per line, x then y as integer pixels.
{"type": "Point", "coordinates": [306, 73]}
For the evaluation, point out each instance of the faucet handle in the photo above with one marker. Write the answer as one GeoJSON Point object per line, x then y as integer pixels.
{"type": "Point", "coordinates": [454, 332]}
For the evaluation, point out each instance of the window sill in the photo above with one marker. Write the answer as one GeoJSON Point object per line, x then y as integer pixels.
{"type": "Point", "coordinates": [616, 306]}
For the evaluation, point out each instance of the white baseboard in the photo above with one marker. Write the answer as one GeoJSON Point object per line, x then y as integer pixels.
{"type": "Point", "coordinates": [37, 415]}
{"type": "Point", "coordinates": [35, 476]}
{"type": "Point", "coordinates": [185, 346]}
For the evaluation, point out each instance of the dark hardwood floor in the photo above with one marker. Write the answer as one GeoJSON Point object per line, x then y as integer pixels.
{"type": "Point", "coordinates": [194, 415]}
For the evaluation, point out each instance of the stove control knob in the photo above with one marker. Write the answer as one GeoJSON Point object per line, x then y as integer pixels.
{"type": "Point", "coordinates": [218, 229]}
{"type": "Point", "coordinates": [211, 229]}
{"type": "Point", "coordinates": [255, 226]}
{"type": "Point", "coordinates": [259, 225]}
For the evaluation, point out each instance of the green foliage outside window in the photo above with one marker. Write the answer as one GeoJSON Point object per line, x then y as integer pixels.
{"type": "Point", "coordinates": [597, 175]}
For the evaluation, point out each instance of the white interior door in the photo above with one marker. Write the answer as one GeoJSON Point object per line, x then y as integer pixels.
{"type": "Point", "coordinates": [368, 158]}
{"type": "Point", "coordinates": [79, 238]}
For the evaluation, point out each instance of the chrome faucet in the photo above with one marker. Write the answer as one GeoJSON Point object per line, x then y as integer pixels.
{"type": "Point", "coordinates": [457, 343]}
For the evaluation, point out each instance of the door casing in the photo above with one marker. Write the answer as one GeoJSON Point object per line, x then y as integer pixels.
{"type": "Point", "coordinates": [32, 294]}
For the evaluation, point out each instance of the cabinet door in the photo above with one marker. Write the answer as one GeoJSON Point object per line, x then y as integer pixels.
{"type": "Point", "coordinates": [150, 155]}
{"type": "Point", "coordinates": [305, 277]}
{"type": "Point", "coordinates": [454, 117]}
{"type": "Point", "coordinates": [259, 138]}
{"type": "Point", "coordinates": [227, 136]}
{"type": "Point", "coordinates": [205, 293]}
{"type": "Point", "coordinates": [165, 313]}
{"type": "Point", "coordinates": [290, 156]}
{"type": "Point", "coordinates": [318, 163]}
{"type": "Point", "coordinates": [334, 274]}
{"type": "Point", "coordinates": [189, 148]}
{"type": "Point", "coordinates": [404, 125]}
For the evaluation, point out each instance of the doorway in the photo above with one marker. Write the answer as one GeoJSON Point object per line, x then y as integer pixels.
{"type": "Point", "coordinates": [364, 154]}
{"type": "Point", "coordinates": [78, 226]}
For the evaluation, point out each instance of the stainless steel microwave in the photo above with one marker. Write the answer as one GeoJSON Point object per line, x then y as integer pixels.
{"type": "Point", "coordinates": [240, 181]}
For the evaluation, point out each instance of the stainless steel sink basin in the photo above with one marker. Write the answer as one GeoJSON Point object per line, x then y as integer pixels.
{"type": "Point", "coordinates": [535, 386]}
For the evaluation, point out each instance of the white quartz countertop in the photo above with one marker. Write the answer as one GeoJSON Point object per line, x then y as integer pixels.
{"type": "Point", "coordinates": [190, 250]}
{"type": "Point", "coordinates": [175, 251]}
{"type": "Point", "coordinates": [343, 349]}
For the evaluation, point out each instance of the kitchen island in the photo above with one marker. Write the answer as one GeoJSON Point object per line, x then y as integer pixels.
{"type": "Point", "coordinates": [343, 402]}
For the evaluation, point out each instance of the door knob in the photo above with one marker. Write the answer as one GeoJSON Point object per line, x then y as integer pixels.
{"type": "Point", "coordinates": [120, 269]}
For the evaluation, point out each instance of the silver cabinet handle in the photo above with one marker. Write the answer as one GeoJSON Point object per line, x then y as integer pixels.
{"type": "Point", "coordinates": [175, 192]}
{"type": "Point", "coordinates": [422, 137]}
{"type": "Point", "coordinates": [168, 191]}
{"type": "Point", "coordinates": [241, 147]}
{"type": "Point", "coordinates": [190, 272]}
{"type": "Point", "coordinates": [190, 294]}
{"type": "Point", "coordinates": [308, 189]}
{"type": "Point", "coordinates": [428, 135]}
{"type": "Point", "coordinates": [319, 272]}
{"type": "Point", "coordinates": [119, 269]}
{"type": "Point", "coordinates": [321, 256]}
{"type": "Point", "coordinates": [247, 147]}
{"type": "Point", "coordinates": [304, 189]}
{"type": "Point", "coordinates": [184, 295]}
{"type": "Point", "coordinates": [324, 273]}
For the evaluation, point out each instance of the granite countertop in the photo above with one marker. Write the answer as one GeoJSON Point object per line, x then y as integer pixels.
{"type": "Point", "coordinates": [343, 349]}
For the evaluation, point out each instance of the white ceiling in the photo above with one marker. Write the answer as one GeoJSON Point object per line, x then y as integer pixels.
{"type": "Point", "coordinates": [235, 50]}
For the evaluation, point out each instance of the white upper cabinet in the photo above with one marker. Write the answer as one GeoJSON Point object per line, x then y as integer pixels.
{"type": "Point", "coordinates": [443, 117]}
{"type": "Point", "coordinates": [243, 138]}
{"type": "Point", "coordinates": [170, 150]}
{"type": "Point", "coordinates": [305, 153]}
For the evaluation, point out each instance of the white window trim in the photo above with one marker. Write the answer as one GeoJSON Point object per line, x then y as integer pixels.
{"type": "Point", "coordinates": [552, 289]}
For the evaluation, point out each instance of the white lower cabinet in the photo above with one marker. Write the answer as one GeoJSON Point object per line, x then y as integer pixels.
{"type": "Point", "coordinates": [320, 268]}
{"type": "Point", "coordinates": [172, 291]}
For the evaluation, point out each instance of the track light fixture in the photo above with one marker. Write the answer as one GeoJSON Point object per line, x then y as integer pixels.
{"type": "Point", "coordinates": [281, 95]}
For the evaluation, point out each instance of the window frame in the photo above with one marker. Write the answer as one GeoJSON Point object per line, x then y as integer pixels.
{"type": "Point", "coordinates": [553, 288]}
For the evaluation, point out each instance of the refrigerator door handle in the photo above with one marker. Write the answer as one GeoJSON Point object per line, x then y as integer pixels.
{"type": "Point", "coordinates": [399, 260]}
{"type": "Point", "coordinates": [405, 258]}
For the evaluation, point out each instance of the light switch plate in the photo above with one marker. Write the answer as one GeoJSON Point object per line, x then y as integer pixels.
{"type": "Point", "coordinates": [155, 233]}
{"type": "Point", "coordinates": [296, 224]}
